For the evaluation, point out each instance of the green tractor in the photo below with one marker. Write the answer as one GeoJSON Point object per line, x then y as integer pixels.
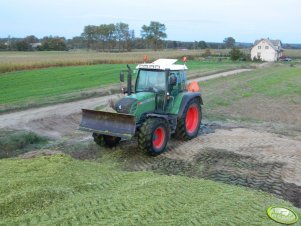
{"type": "Point", "coordinates": [159, 106]}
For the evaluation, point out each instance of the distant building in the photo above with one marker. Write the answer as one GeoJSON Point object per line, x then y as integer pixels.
{"type": "Point", "coordinates": [35, 45]}
{"type": "Point", "coordinates": [267, 50]}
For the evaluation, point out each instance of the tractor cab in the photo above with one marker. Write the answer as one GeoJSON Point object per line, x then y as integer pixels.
{"type": "Point", "coordinates": [164, 78]}
{"type": "Point", "coordinates": [162, 74]}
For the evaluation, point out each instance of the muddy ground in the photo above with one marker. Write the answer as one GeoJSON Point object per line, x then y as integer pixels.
{"type": "Point", "coordinates": [224, 152]}
{"type": "Point", "coordinates": [264, 154]}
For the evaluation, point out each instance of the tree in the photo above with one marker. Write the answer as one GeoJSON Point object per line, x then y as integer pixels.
{"type": "Point", "coordinates": [154, 33]}
{"type": "Point", "coordinates": [110, 36]}
{"type": "Point", "coordinates": [23, 45]}
{"type": "Point", "coordinates": [77, 42]}
{"type": "Point", "coordinates": [31, 39]}
{"type": "Point", "coordinates": [202, 45]}
{"type": "Point", "coordinates": [235, 54]}
{"type": "Point", "coordinates": [3, 46]}
{"type": "Point", "coordinates": [53, 43]}
{"type": "Point", "coordinates": [122, 34]}
{"type": "Point", "coordinates": [174, 44]}
{"type": "Point", "coordinates": [90, 35]}
{"type": "Point", "coordinates": [26, 43]}
{"type": "Point", "coordinates": [129, 38]}
{"type": "Point", "coordinates": [229, 42]}
{"type": "Point", "coordinates": [106, 34]}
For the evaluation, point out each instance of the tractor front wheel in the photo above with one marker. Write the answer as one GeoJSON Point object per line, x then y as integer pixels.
{"type": "Point", "coordinates": [153, 136]}
{"type": "Point", "coordinates": [106, 140]}
{"type": "Point", "coordinates": [189, 124]}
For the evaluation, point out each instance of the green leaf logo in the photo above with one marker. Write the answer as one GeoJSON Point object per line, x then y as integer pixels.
{"type": "Point", "coordinates": [282, 215]}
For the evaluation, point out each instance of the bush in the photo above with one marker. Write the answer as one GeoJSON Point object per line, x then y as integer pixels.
{"type": "Point", "coordinates": [13, 143]}
{"type": "Point", "coordinates": [207, 53]}
{"type": "Point", "coordinates": [257, 59]}
{"type": "Point", "coordinates": [235, 54]}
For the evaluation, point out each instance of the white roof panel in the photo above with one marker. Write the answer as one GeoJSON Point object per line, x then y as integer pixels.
{"type": "Point", "coordinates": [162, 64]}
{"type": "Point", "coordinates": [165, 61]}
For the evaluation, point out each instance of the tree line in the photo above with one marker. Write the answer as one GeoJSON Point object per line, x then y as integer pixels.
{"type": "Point", "coordinates": [111, 37]}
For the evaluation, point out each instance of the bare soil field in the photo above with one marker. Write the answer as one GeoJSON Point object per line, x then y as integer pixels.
{"type": "Point", "coordinates": [240, 156]}
{"type": "Point", "coordinates": [259, 155]}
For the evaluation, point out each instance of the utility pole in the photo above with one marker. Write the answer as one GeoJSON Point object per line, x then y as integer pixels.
{"type": "Point", "coordinates": [8, 42]}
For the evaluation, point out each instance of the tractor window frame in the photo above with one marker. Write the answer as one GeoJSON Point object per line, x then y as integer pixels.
{"type": "Point", "coordinates": [149, 70]}
{"type": "Point", "coordinates": [181, 79]}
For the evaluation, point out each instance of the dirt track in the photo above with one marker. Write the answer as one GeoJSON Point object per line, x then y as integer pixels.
{"type": "Point", "coordinates": [58, 120]}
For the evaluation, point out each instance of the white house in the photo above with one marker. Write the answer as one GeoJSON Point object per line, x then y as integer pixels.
{"type": "Point", "coordinates": [35, 45]}
{"type": "Point", "coordinates": [267, 49]}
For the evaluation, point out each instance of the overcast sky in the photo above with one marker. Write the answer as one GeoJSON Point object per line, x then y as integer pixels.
{"type": "Point", "coordinates": [187, 20]}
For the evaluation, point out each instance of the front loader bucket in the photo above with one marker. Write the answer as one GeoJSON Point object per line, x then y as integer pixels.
{"type": "Point", "coordinates": [107, 123]}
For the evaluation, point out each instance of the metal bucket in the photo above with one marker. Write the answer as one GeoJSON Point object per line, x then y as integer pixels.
{"type": "Point", "coordinates": [107, 123]}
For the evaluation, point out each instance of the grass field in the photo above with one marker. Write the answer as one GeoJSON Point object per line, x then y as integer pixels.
{"type": "Point", "coordinates": [271, 94]}
{"type": "Point", "coordinates": [59, 84]}
{"type": "Point", "coordinates": [43, 83]}
{"type": "Point", "coordinates": [59, 190]}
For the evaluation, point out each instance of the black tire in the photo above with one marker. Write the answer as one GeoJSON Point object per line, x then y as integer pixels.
{"type": "Point", "coordinates": [153, 136]}
{"type": "Point", "coordinates": [98, 139]}
{"type": "Point", "coordinates": [106, 140]}
{"type": "Point", "coordinates": [185, 131]}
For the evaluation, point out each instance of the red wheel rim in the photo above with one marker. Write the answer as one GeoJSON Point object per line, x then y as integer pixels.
{"type": "Point", "coordinates": [192, 119]}
{"type": "Point", "coordinates": [158, 137]}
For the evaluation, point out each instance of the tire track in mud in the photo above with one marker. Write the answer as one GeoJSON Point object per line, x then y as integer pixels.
{"type": "Point", "coordinates": [256, 160]}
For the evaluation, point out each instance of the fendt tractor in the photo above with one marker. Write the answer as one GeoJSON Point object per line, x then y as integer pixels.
{"type": "Point", "coordinates": [160, 105]}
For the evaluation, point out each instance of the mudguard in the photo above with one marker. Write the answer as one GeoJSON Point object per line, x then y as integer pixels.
{"type": "Point", "coordinates": [186, 98]}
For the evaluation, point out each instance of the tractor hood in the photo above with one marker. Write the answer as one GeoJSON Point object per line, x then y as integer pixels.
{"type": "Point", "coordinates": [137, 104]}
{"type": "Point", "coordinates": [129, 104]}
{"type": "Point", "coordinates": [142, 96]}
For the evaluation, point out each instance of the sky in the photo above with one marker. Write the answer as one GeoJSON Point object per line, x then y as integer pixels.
{"type": "Point", "coordinates": [186, 20]}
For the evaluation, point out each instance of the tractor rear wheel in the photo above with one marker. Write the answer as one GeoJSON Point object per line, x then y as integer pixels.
{"type": "Point", "coordinates": [153, 136]}
{"type": "Point", "coordinates": [106, 140]}
{"type": "Point", "coordinates": [189, 124]}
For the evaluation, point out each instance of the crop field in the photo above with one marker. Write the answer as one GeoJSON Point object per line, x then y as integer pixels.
{"type": "Point", "coordinates": [294, 53]}
{"type": "Point", "coordinates": [12, 61]}
{"type": "Point", "coordinates": [245, 159]}
{"type": "Point", "coordinates": [59, 84]}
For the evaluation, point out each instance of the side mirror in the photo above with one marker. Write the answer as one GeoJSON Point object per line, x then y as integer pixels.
{"type": "Point", "coordinates": [172, 80]}
{"type": "Point", "coordinates": [121, 77]}
{"type": "Point", "coordinates": [123, 90]}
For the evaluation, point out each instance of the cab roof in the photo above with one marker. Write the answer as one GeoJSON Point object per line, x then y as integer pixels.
{"type": "Point", "coordinates": [163, 64]}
